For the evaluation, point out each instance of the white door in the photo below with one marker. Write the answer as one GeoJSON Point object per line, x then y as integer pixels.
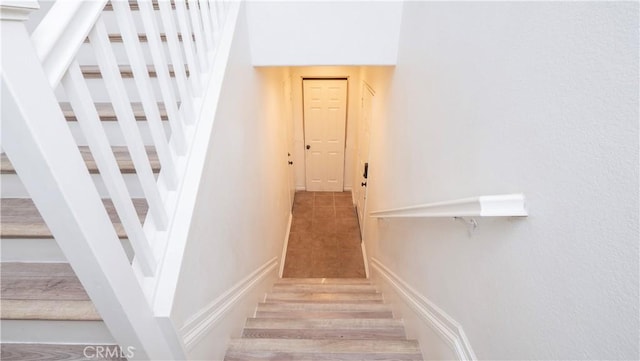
{"type": "Point", "coordinates": [363, 153]}
{"type": "Point", "coordinates": [325, 116]}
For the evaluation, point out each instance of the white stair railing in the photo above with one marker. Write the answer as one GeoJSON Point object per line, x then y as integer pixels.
{"type": "Point", "coordinates": [40, 145]}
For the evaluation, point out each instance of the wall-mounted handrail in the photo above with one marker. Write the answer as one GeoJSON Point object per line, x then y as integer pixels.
{"type": "Point", "coordinates": [503, 205]}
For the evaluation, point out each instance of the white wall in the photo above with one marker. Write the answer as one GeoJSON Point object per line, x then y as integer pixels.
{"type": "Point", "coordinates": [539, 98]}
{"type": "Point", "coordinates": [242, 208]}
{"type": "Point", "coordinates": [353, 112]}
{"type": "Point", "coordinates": [324, 32]}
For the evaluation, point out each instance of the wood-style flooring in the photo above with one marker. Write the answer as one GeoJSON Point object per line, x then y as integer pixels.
{"type": "Point", "coordinates": [125, 163]}
{"type": "Point", "coordinates": [325, 237]}
{"type": "Point", "coordinates": [323, 319]}
{"type": "Point", "coordinates": [43, 291]}
{"type": "Point", "coordinates": [19, 218]}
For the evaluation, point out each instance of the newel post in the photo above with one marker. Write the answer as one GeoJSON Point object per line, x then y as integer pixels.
{"type": "Point", "coordinates": [37, 140]}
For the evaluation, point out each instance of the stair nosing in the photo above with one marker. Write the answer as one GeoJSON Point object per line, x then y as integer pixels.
{"type": "Point", "coordinates": [59, 310]}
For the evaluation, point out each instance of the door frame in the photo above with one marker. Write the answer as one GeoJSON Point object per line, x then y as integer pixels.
{"type": "Point", "coordinates": [366, 88]}
{"type": "Point", "coordinates": [289, 134]}
{"type": "Point", "coordinates": [346, 119]}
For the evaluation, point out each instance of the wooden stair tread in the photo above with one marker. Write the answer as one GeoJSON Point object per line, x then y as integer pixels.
{"type": "Point", "coordinates": [327, 281]}
{"type": "Point", "coordinates": [323, 310]}
{"type": "Point", "coordinates": [120, 152]}
{"type": "Point", "coordinates": [321, 306]}
{"type": "Point", "coordinates": [40, 281]}
{"type": "Point", "coordinates": [48, 310]}
{"type": "Point", "coordinates": [311, 319]}
{"type": "Point", "coordinates": [107, 113]}
{"type": "Point", "coordinates": [279, 349]}
{"type": "Point", "coordinates": [39, 352]}
{"type": "Point", "coordinates": [297, 323]}
{"type": "Point", "coordinates": [324, 288]}
{"type": "Point", "coordinates": [43, 291]}
{"type": "Point", "coordinates": [19, 218]}
{"type": "Point", "coordinates": [343, 297]}
{"type": "Point", "coordinates": [351, 329]}
{"type": "Point", "coordinates": [93, 71]}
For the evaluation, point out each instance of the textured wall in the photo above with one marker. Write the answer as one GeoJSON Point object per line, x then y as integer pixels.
{"type": "Point", "coordinates": [539, 98]}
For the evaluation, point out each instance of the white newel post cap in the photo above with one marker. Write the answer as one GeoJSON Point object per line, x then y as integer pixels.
{"type": "Point", "coordinates": [17, 10]}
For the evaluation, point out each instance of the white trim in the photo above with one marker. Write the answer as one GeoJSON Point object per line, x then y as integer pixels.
{"type": "Point", "coordinates": [366, 260]}
{"type": "Point", "coordinates": [444, 325]}
{"type": "Point", "coordinates": [199, 325]}
{"type": "Point", "coordinates": [285, 245]}
{"type": "Point", "coordinates": [61, 33]}
{"type": "Point", "coordinates": [301, 188]}
{"type": "Point", "coordinates": [17, 10]}
{"type": "Point", "coordinates": [503, 205]}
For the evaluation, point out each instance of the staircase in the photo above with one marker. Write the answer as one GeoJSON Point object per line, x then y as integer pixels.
{"type": "Point", "coordinates": [323, 319]}
{"type": "Point", "coordinates": [69, 298]}
{"type": "Point", "coordinates": [44, 309]}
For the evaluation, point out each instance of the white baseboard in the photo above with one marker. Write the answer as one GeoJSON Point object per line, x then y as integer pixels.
{"type": "Point", "coordinates": [446, 327]}
{"type": "Point", "coordinates": [301, 188]}
{"type": "Point", "coordinates": [203, 321]}
{"type": "Point", "coordinates": [285, 245]}
{"type": "Point", "coordinates": [366, 260]}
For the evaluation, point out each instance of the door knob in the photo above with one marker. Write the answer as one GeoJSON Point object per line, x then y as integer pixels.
{"type": "Point", "coordinates": [363, 184]}
{"type": "Point", "coordinates": [308, 147]}
{"type": "Point", "coordinates": [290, 163]}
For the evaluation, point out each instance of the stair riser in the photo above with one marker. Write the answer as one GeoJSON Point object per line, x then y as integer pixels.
{"type": "Point", "coordinates": [99, 93]}
{"type": "Point", "coordinates": [347, 288]}
{"type": "Point", "coordinates": [328, 281]}
{"type": "Point", "coordinates": [45, 250]}
{"type": "Point", "coordinates": [114, 134]}
{"type": "Point", "coordinates": [323, 307]}
{"type": "Point", "coordinates": [328, 314]}
{"type": "Point", "coordinates": [86, 55]}
{"type": "Point", "coordinates": [38, 352]}
{"type": "Point", "coordinates": [260, 356]}
{"type": "Point", "coordinates": [12, 187]}
{"type": "Point", "coordinates": [44, 331]}
{"type": "Point", "coordinates": [283, 349]}
{"type": "Point", "coordinates": [319, 334]}
{"type": "Point", "coordinates": [111, 23]}
{"type": "Point", "coordinates": [324, 297]}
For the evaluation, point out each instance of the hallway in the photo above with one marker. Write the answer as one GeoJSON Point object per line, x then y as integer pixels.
{"type": "Point", "coordinates": [325, 239]}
